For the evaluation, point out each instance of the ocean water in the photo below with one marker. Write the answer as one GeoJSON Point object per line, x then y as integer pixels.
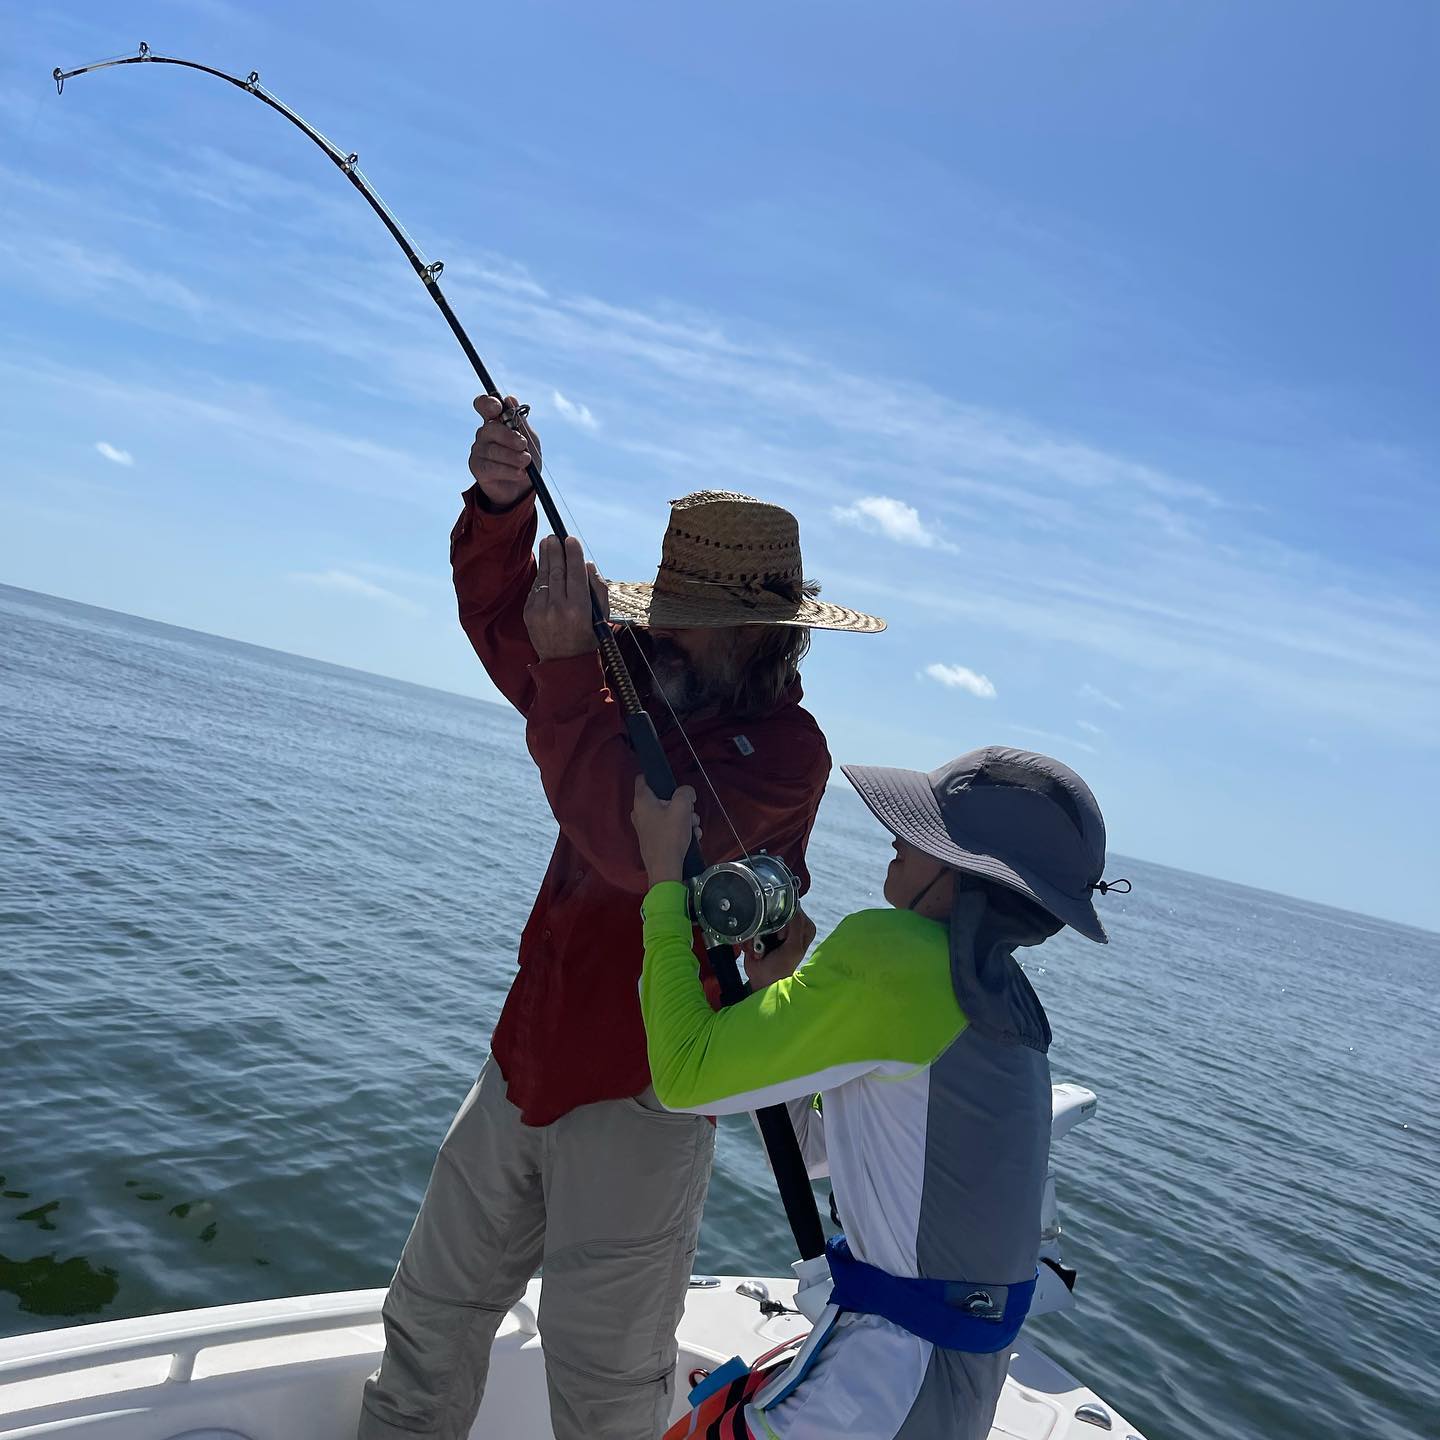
{"type": "Point", "coordinates": [258, 916]}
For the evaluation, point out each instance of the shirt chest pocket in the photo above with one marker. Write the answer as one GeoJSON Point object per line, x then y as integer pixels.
{"type": "Point", "coordinates": [571, 885]}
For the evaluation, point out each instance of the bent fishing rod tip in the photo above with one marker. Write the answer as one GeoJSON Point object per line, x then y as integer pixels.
{"type": "Point", "coordinates": [60, 76]}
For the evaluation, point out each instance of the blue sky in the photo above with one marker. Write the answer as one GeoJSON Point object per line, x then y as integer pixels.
{"type": "Point", "coordinates": [1095, 345]}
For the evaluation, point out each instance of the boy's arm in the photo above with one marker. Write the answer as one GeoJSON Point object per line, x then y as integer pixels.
{"type": "Point", "coordinates": [844, 1013]}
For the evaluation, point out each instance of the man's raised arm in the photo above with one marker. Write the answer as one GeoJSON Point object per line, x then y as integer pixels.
{"type": "Point", "coordinates": [491, 552]}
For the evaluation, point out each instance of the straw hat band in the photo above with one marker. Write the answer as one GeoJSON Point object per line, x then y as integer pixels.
{"type": "Point", "coordinates": [782, 586]}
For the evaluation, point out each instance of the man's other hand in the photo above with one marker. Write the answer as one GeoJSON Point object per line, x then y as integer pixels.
{"type": "Point", "coordinates": [664, 828]}
{"type": "Point", "coordinates": [557, 612]}
{"type": "Point", "coordinates": [499, 455]}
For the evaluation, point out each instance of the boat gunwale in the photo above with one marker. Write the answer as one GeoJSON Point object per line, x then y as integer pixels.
{"type": "Point", "coordinates": [183, 1334]}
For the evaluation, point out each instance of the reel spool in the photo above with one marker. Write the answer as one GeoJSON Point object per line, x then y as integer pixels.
{"type": "Point", "coordinates": [740, 900]}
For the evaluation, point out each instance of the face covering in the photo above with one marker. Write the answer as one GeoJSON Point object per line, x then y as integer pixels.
{"type": "Point", "coordinates": [992, 989]}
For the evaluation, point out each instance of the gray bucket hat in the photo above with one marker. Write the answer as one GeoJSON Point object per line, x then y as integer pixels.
{"type": "Point", "coordinates": [1011, 816]}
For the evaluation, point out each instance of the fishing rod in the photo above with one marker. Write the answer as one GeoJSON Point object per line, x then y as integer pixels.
{"type": "Point", "coordinates": [745, 898]}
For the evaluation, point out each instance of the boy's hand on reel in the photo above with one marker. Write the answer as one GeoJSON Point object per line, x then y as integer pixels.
{"type": "Point", "coordinates": [779, 960]}
{"type": "Point", "coordinates": [664, 829]}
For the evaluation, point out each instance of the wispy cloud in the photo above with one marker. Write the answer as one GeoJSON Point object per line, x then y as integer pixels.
{"type": "Point", "coordinates": [892, 518]}
{"type": "Point", "coordinates": [217, 10]}
{"type": "Point", "coordinates": [1089, 692]}
{"type": "Point", "coordinates": [1062, 743]}
{"type": "Point", "coordinates": [961, 677]}
{"type": "Point", "coordinates": [345, 583]}
{"type": "Point", "coordinates": [437, 579]}
{"type": "Point", "coordinates": [577, 414]}
{"type": "Point", "coordinates": [1088, 728]}
{"type": "Point", "coordinates": [114, 454]}
{"type": "Point", "coordinates": [197, 408]}
{"type": "Point", "coordinates": [1370, 661]}
{"type": "Point", "coordinates": [87, 270]}
{"type": "Point", "coordinates": [836, 428]}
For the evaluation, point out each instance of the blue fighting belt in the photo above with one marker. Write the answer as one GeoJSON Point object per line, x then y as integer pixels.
{"type": "Point", "coordinates": [953, 1314]}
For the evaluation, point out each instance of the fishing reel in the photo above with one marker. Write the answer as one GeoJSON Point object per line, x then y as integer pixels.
{"type": "Point", "coordinates": [744, 900]}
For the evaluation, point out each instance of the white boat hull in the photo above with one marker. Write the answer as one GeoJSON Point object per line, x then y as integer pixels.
{"type": "Point", "coordinates": [293, 1370]}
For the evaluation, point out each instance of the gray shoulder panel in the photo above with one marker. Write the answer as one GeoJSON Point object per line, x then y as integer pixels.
{"type": "Point", "coordinates": [987, 1146]}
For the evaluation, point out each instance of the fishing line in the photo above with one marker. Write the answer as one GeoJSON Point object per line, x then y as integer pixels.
{"type": "Point", "coordinates": [781, 1145]}
{"type": "Point", "coordinates": [657, 689]}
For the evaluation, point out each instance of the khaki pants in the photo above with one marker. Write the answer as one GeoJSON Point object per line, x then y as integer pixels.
{"type": "Point", "coordinates": [608, 1198]}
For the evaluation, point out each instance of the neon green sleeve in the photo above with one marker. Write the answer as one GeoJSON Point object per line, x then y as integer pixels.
{"type": "Point", "coordinates": [876, 992]}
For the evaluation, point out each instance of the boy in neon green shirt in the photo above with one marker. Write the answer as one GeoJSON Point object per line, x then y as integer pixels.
{"type": "Point", "coordinates": [927, 1044]}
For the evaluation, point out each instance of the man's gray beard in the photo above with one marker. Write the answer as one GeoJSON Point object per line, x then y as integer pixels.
{"type": "Point", "coordinates": [686, 692]}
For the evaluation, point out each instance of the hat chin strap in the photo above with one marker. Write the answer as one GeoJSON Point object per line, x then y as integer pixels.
{"type": "Point", "coordinates": [929, 886]}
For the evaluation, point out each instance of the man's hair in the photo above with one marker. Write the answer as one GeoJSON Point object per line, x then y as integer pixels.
{"type": "Point", "coordinates": [773, 665]}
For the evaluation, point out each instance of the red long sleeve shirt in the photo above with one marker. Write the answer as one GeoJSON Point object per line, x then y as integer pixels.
{"type": "Point", "coordinates": [570, 1032]}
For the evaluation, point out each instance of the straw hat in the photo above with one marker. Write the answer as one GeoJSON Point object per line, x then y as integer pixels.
{"type": "Point", "coordinates": [729, 559]}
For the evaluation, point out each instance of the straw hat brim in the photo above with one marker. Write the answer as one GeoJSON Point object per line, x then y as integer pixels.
{"type": "Point", "coordinates": [635, 603]}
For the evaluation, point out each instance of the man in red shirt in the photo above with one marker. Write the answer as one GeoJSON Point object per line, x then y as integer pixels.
{"type": "Point", "coordinates": [561, 1155]}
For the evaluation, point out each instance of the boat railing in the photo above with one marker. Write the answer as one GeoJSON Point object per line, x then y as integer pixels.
{"type": "Point", "coordinates": [87, 1347]}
